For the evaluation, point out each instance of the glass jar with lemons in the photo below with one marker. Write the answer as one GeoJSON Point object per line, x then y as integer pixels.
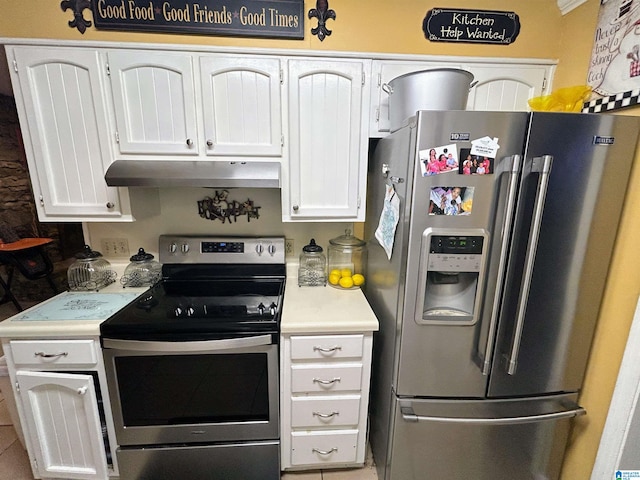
{"type": "Point", "coordinates": [347, 257]}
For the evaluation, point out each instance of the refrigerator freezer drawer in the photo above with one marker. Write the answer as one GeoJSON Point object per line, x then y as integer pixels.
{"type": "Point", "coordinates": [480, 439]}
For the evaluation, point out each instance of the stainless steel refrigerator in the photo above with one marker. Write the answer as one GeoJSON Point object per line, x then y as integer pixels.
{"type": "Point", "coordinates": [488, 287]}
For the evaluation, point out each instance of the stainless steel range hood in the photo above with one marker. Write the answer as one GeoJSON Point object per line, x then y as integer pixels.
{"type": "Point", "coordinates": [164, 173]}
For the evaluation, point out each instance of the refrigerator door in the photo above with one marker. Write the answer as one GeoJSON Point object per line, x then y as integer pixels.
{"type": "Point", "coordinates": [480, 439]}
{"type": "Point", "coordinates": [572, 192]}
{"type": "Point", "coordinates": [454, 262]}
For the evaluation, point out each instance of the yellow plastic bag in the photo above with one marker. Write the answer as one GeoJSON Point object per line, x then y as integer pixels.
{"type": "Point", "coordinates": [569, 99]}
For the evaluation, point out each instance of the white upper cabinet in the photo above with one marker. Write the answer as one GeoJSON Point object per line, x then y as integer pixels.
{"type": "Point", "coordinates": [241, 105]}
{"type": "Point", "coordinates": [198, 105]}
{"type": "Point", "coordinates": [154, 102]}
{"type": "Point", "coordinates": [383, 73]}
{"type": "Point", "coordinates": [60, 102]}
{"type": "Point", "coordinates": [328, 140]}
{"type": "Point", "coordinates": [504, 88]}
{"type": "Point", "coordinates": [496, 86]}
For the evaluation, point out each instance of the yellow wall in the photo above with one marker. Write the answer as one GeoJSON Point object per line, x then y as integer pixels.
{"type": "Point", "coordinates": [395, 27]}
{"type": "Point", "coordinates": [623, 284]}
{"type": "Point", "coordinates": [367, 26]}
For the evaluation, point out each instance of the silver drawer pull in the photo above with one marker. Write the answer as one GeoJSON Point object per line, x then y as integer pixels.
{"type": "Point", "coordinates": [324, 452]}
{"type": "Point", "coordinates": [51, 355]}
{"type": "Point", "coordinates": [327, 350]}
{"type": "Point", "coordinates": [325, 415]}
{"type": "Point", "coordinates": [326, 382]}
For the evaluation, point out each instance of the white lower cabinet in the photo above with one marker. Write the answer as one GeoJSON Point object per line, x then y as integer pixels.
{"type": "Point", "coordinates": [59, 387]}
{"type": "Point", "coordinates": [325, 393]}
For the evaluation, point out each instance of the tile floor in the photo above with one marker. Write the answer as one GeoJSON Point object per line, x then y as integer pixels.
{"type": "Point", "coordinates": [14, 462]}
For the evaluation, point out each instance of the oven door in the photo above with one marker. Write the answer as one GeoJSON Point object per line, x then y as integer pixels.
{"type": "Point", "coordinates": [210, 391]}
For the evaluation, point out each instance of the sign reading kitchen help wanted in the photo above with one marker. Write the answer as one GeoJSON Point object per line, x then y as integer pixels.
{"type": "Point", "coordinates": [251, 18]}
{"type": "Point", "coordinates": [471, 26]}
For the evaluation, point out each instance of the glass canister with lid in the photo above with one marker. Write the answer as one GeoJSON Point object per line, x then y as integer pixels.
{"type": "Point", "coordinates": [143, 271]}
{"type": "Point", "coordinates": [347, 257]}
{"type": "Point", "coordinates": [312, 269]}
{"type": "Point", "coordinates": [90, 271]}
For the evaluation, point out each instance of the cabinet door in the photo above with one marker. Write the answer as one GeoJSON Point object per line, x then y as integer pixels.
{"type": "Point", "coordinates": [63, 120]}
{"type": "Point", "coordinates": [383, 72]}
{"type": "Point", "coordinates": [328, 144]}
{"type": "Point", "coordinates": [63, 424]}
{"type": "Point", "coordinates": [241, 104]}
{"type": "Point", "coordinates": [504, 88]}
{"type": "Point", "coordinates": [154, 102]}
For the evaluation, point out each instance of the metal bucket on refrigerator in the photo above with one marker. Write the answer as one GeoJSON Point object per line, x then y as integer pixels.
{"type": "Point", "coordinates": [437, 89]}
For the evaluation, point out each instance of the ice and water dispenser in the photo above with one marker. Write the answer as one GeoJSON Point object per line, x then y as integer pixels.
{"type": "Point", "coordinates": [452, 272]}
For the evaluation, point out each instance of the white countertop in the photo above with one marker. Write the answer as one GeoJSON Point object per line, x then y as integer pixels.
{"type": "Point", "coordinates": [324, 309]}
{"type": "Point", "coordinates": [69, 314]}
{"type": "Point", "coordinates": [306, 310]}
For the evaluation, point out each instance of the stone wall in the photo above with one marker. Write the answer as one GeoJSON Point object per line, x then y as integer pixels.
{"type": "Point", "coordinates": [17, 209]}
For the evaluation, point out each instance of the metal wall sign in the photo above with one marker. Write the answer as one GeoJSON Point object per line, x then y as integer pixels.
{"type": "Point", "coordinates": [250, 18]}
{"type": "Point", "coordinates": [471, 26]}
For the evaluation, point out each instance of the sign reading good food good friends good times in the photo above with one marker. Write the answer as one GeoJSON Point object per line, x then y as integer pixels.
{"type": "Point", "coordinates": [254, 18]}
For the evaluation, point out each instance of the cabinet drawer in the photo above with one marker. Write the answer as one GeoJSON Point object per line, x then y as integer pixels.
{"type": "Point", "coordinates": [337, 378]}
{"type": "Point", "coordinates": [54, 352]}
{"type": "Point", "coordinates": [326, 346]}
{"type": "Point", "coordinates": [331, 411]}
{"type": "Point", "coordinates": [311, 448]}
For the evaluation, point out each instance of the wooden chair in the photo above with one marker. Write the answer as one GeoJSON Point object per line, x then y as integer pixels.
{"type": "Point", "coordinates": [28, 256]}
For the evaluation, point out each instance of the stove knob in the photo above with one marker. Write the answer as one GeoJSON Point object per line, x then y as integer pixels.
{"type": "Point", "coordinates": [273, 308]}
{"type": "Point", "coordinates": [173, 247]}
{"type": "Point", "coordinates": [184, 248]}
{"type": "Point", "coordinates": [259, 249]}
{"type": "Point", "coordinates": [271, 249]}
{"type": "Point", "coordinates": [261, 308]}
{"type": "Point", "coordinates": [178, 311]}
{"type": "Point", "coordinates": [190, 312]}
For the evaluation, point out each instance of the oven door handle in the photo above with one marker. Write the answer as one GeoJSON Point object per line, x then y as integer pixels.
{"type": "Point", "coordinates": [195, 346]}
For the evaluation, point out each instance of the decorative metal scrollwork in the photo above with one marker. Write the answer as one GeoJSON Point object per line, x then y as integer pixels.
{"type": "Point", "coordinates": [77, 6]}
{"type": "Point", "coordinates": [219, 207]}
{"type": "Point", "coordinates": [322, 13]}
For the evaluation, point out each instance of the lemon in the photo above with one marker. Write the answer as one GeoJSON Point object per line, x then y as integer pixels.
{"type": "Point", "coordinates": [345, 272]}
{"type": "Point", "coordinates": [346, 282]}
{"type": "Point", "coordinates": [334, 278]}
{"type": "Point", "coordinates": [358, 279]}
{"type": "Point", "coordinates": [335, 271]}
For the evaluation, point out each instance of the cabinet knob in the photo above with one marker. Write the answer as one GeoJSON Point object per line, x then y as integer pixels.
{"type": "Point", "coordinates": [82, 390]}
{"type": "Point", "coordinates": [209, 143]}
{"type": "Point", "coordinates": [110, 205]}
{"type": "Point", "coordinates": [296, 208]}
{"type": "Point", "coordinates": [189, 143]}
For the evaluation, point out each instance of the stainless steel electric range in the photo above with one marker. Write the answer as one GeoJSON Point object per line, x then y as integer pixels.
{"type": "Point", "coordinates": [192, 365]}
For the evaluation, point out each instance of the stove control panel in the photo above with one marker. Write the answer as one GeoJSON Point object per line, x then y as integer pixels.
{"type": "Point", "coordinates": [221, 250]}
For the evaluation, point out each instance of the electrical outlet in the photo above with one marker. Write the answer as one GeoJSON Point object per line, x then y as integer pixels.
{"type": "Point", "coordinates": [115, 247]}
{"type": "Point", "coordinates": [288, 247]}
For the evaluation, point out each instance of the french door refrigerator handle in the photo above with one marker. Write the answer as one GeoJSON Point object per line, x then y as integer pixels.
{"type": "Point", "coordinates": [541, 165]}
{"type": "Point", "coordinates": [511, 200]}
{"type": "Point", "coordinates": [408, 415]}
{"type": "Point", "coordinates": [196, 346]}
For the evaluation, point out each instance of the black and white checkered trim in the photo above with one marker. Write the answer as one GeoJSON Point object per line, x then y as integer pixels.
{"type": "Point", "coordinates": [612, 102]}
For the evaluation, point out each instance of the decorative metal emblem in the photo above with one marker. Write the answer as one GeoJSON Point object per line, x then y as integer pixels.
{"type": "Point", "coordinates": [322, 13]}
{"type": "Point", "coordinates": [220, 207]}
{"type": "Point", "coordinates": [77, 6]}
